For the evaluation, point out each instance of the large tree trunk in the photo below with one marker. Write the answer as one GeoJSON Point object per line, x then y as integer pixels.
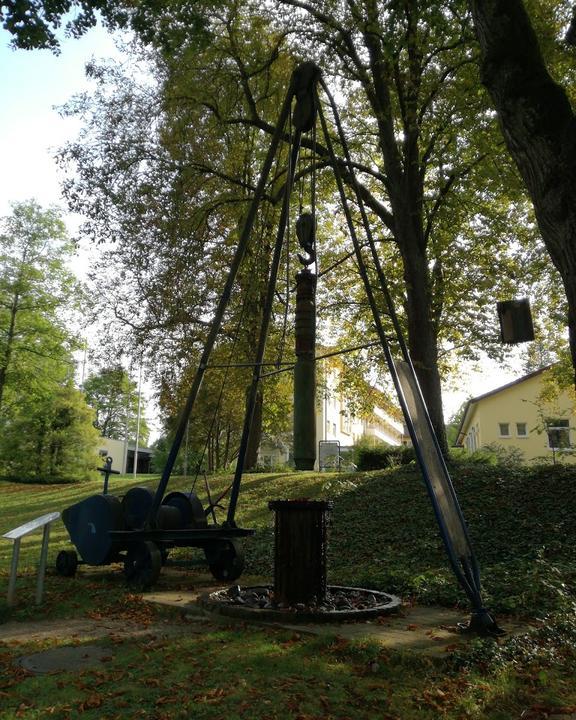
{"type": "Point", "coordinates": [539, 128]}
{"type": "Point", "coordinates": [405, 193]}
{"type": "Point", "coordinates": [9, 343]}
{"type": "Point", "coordinates": [254, 283]}
{"type": "Point", "coordinates": [422, 335]}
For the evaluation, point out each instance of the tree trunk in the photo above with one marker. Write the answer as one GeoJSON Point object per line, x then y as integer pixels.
{"type": "Point", "coordinates": [255, 434]}
{"type": "Point", "coordinates": [405, 191]}
{"type": "Point", "coordinates": [254, 283]}
{"type": "Point", "coordinates": [9, 342]}
{"type": "Point", "coordinates": [209, 455]}
{"type": "Point", "coordinates": [227, 445]}
{"type": "Point", "coordinates": [539, 128]}
{"type": "Point", "coordinates": [54, 447]}
{"type": "Point", "coordinates": [422, 336]}
{"type": "Point", "coordinates": [40, 449]}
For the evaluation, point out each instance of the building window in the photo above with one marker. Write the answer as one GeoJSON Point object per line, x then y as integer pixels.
{"type": "Point", "coordinates": [504, 429]}
{"type": "Point", "coordinates": [471, 441]}
{"type": "Point", "coordinates": [558, 432]}
{"type": "Point", "coordinates": [346, 422]}
{"type": "Point", "coordinates": [521, 430]}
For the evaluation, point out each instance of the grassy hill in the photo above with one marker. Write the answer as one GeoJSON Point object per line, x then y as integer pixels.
{"type": "Point", "coordinates": [383, 533]}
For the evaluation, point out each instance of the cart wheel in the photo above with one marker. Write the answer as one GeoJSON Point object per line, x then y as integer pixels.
{"type": "Point", "coordinates": [226, 560]}
{"type": "Point", "coordinates": [66, 563]}
{"type": "Point", "coordinates": [142, 565]}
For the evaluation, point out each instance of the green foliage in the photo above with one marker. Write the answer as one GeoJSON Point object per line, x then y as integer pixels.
{"type": "Point", "coordinates": [213, 432]}
{"type": "Point", "coordinates": [453, 425]}
{"type": "Point", "coordinates": [530, 78]}
{"type": "Point", "coordinates": [558, 377]}
{"type": "Point", "coordinates": [177, 215]}
{"type": "Point", "coordinates": [492, 454]}
{"type": "Point", "coordinates": [36, 290]}
{"type": "Point", "coordinates": [370, 456]}
{"type": "Point", "coordinates": [278, 402]}
{"type": "Point", "coordinates": [184, 465]}
{"type": "Point", "coordinates": [114, 398]}
{"type": "Point", "coordinates": [51, 439]}
{"type": "Point", "coordinates": [551, 643]}
{"type": "Point", "coordinates": [45, 425]}
{"type": "Point", "coordinates": [198, 126]}
{"type": "Point", "coordinates": [34, 23]}
{"type": "Point", "coordinates": [384, 534]}
{"type": "Point", "coordinates": [261, 673]}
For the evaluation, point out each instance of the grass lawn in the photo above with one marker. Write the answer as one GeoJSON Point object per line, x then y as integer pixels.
{"type": "Point", "coordinates": [383, 535]}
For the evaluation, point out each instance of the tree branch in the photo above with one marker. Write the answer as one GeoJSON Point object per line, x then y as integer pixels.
{"type": "Point", "coordinates": [445, 190]}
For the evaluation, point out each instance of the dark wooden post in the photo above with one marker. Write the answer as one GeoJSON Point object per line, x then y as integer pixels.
{"type": "Point", "coordinates": [305, 372]}
{"type": "Point", "coordinates": [300, 542]}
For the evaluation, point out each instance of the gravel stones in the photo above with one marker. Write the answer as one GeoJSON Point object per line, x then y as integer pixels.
{"type": "Point", "coordinates": [339, 603]}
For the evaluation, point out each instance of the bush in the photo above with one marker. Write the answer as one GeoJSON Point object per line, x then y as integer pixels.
{"type": "Point", "coordinates": [382, 456]}
{"type": "Point", "coordinates": [274, 469]}
{"type": "Point", "coordinates": [50, 439]}
{"type": "Point", "coordinates": [493, 454]}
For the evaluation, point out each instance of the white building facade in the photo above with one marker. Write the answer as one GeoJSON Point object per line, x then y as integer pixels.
{"type": "Point", "coordinates": [336, 423]}
{"type": "Point", "coordinates": [122, 454]}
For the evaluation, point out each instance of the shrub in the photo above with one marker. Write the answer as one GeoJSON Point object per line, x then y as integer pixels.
{"type": "Point", "coordinates": [492, 454]}
{"type": "Point", "coordinates": [50, 439]}
{"type": "Point", "coordinates": [382, 456]}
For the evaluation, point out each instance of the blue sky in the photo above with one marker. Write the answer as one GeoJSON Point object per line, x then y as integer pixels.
{"type": "Point", "coordinates": [32, 83]}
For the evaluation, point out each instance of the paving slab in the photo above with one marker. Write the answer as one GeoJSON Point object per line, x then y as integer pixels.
{"type": "Point", "coordinates": [432, 631]}
{"type": "Point", "coordinates": [79, 630]}
{"type": "Point", "coordinates": [186, 600]}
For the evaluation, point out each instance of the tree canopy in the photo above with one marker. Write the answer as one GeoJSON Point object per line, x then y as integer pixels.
{"type": "Point", "coordinates": [113, 396]}
{"type": "Point", "coordinates": [36, 291]}
{"type": "Point", "coordinates": [538, 124]}
{"type": "Point", "coordinates": [50, 438]}
{"type": "Point", "coordinates": [45, 426]}
{"type": "Point", "coordinates": [34, 24]}
{"type": "Point", "coordinates": [165, 168]}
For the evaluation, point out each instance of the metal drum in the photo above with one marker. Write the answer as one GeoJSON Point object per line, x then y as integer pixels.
{"type": "Point", "coordinates": [89, 523]}
{"type": "Point", "coordinates": [190, 508]}
{"type": "Point", "coordinates": [136, 506]}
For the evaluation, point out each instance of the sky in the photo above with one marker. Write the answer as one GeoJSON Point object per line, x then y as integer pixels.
{"type": "Point", "coordinates": [33, 84]}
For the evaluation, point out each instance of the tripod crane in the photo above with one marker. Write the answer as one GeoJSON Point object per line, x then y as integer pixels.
{"type": "Point", "coordinates": [303, 96]}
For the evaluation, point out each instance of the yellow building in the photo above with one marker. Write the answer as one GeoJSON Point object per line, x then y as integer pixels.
{"type": "Point", "coordinates": [516, 416]}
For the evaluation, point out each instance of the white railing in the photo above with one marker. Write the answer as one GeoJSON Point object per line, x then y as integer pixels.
{"type": "Point", "coordinates": [16, 536]}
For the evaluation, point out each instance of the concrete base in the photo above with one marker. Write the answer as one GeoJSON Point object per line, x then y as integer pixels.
{"type": "Point", "coordinates": [431, 631]}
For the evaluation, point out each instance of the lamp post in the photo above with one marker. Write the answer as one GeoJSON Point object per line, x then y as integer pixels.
{"type": "Point", "coordinates": [135, 468]}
